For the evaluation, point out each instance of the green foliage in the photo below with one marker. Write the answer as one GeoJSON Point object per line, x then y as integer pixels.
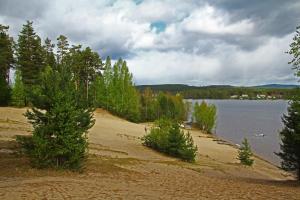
{"type": "Point", "coordinates": [4, 92]}
{"type": "Point", "coordinates": [290, 137]}
{"type": "Point", "coordinates": [6, 53]}
{"type": "Point", "coordinates": [30, 57]}
{"type": "Point", "coordinates": [18, 92]}
{"type": "Point", "coordinates": [219, 92]}
{"type": "Point", "coordinates": [60, 123]}
{"type": "Point", "coordinates": [6, 63]}
{"type": "Point", "coordinates": [245, 153]}
{"type": "Point", "coordinates": [295, 52]}
{"type": "Point", "coordinates": [162, 105]}
{"type": "Point", "coordinates": [49, 54]}
{"type": "Point", "coordinates": [205, 116]}
{"type": "Point", "coordinates": [116, 92]}
{"type": "Point", "coordinates": [165, 136]}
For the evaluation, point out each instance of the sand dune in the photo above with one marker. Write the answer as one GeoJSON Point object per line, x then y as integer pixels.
{"type": "Point", "coordinates": [119, 167]}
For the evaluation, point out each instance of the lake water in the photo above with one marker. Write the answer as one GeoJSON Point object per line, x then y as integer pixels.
{"type": "Point", "coordinates": [239, 119]}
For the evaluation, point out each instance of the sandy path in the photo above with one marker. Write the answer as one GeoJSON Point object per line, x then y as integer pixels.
{"type": "Point", "coordinates": [121, 168]}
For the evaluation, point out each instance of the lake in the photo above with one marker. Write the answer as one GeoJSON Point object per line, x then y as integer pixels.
{"type": "Point", "coordinates": [239, 119]}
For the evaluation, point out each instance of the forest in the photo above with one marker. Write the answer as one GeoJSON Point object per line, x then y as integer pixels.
{"type": "Point", "coordinates": [224, 91]}
{"type": "Point", "coordinates": [102, 83]}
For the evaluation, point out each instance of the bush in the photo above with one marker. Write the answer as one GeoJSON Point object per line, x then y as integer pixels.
{"type": "Point", "coordinates": [245, 153]}
{"type": "Point", "coordinates": [165, 136]}
{"type": "Point", "coordinates": [205, 116]}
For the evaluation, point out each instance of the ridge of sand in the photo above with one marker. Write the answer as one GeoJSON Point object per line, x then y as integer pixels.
{"type": "Point", "coordinates": [119, 167]}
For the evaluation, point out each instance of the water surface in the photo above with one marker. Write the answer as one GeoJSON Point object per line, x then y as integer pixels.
{"type": "Point", "coordinates": [238, 119]}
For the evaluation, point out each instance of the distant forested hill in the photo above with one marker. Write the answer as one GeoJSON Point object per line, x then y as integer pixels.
{"type": "Point", "coordinates": [274, 91]}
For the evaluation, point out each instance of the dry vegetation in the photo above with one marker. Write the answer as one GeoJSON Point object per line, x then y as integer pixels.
{"type": "Point", "coordinates": [119, 167]}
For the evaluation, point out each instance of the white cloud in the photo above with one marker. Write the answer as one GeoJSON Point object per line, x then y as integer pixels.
{"type": "Point", "coordinates": [208, 20]}
{"type": "Point", "coordinates": [225, 65]}
{"type": "Point", "coordinates": [202, 44]}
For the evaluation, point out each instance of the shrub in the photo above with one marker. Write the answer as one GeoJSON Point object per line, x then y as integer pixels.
{"type": "Point", "coordinates": [165, 136]}
{"type": "Point", "coordinates": [245, 153]}
{"type": "Point", "coordinates": [205, 116]}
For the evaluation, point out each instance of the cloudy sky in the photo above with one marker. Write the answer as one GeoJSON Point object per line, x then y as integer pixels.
{"type": "Point", "coordinates": [196, 42]}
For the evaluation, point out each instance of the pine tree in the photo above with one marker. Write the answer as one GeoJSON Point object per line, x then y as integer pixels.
{"type": "Point", "coordinates": [290, 137]}
{"type": "Point", "coordinates": [6, 53]}
{"type": "Point", "coordinates": [245, 153]}
{"type": "Point", "coordinates": [60, 131]}
{"type": "Point", "coordinates": [49, 54]}
{"type": "Point", "coordinates": [18, 92]}
{"type": "Point", "coordinates": [62, 49]}
{"type": "Point", "coordinates": [6, 63]}
{"type": "Point", "coordinates": [30, 58]}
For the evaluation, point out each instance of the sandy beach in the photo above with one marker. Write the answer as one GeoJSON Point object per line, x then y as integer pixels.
{"type": "Point", "coordinates": [120, 167]}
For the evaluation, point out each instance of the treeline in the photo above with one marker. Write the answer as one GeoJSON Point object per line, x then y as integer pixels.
{"type": "Point", "coordinates": [101, 83]}
{"type": "Point", "coordinates": [162, 105]}
{"type": "Point", "coordinates": [220, 92]}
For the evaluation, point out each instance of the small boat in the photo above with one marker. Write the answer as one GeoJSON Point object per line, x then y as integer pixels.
{"type": "Point", "coordinates": [260, 135]}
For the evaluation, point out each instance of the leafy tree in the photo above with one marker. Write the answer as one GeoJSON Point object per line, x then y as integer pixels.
{"type": "Point", "coordinates": [30, 58]}
{"type": "Point", "coordinates": [245, 153]}
{"type": "Point", "coordinates": [295, 52]}
{"type": "Point", "coordinates": [205, 116]}
{"type": "Point", "coordinates": [60, 123]}
{"type": "Point", "coordinates": [167, 137]}
{"type": "Point", "coordinates": [118, 94]}
{"type": "Point", "coordinates": [18, 93]}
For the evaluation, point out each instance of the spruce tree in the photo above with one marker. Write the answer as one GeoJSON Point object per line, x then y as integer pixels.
{"type": "Point", "coordinates": [245, 153]}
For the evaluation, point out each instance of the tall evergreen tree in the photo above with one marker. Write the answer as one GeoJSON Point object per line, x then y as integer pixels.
{"type": "Point", "coordinates": [62, 49]}
{"type": "Point", "coordinates": [6, 53]}
{"type": "Point", "coordinates": [6, 63]}
{"type": "Point", "coordinates": [30, 57]}
{"type": "Point", "coordinates": [290, 135]}
{"type": "Point", "coordinates": [49, 54]}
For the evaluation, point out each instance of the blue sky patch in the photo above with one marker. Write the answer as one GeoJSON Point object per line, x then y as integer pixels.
{"type": "Point", "coordinates": [160, 26]}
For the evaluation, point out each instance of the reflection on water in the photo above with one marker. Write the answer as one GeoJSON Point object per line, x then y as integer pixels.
{"type": "Point", "coordinates": [257, 120]}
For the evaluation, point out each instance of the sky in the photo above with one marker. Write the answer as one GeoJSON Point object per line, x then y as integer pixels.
{"type": "Point", "coordinates": [194, 42]}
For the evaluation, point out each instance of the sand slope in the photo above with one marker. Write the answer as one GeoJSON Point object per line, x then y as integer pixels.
{"type": "Point", "coordinates": [119, 167]}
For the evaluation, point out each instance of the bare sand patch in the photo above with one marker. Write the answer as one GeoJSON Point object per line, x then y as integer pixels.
{"type": "Point", "coordinates": [119, 167]}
